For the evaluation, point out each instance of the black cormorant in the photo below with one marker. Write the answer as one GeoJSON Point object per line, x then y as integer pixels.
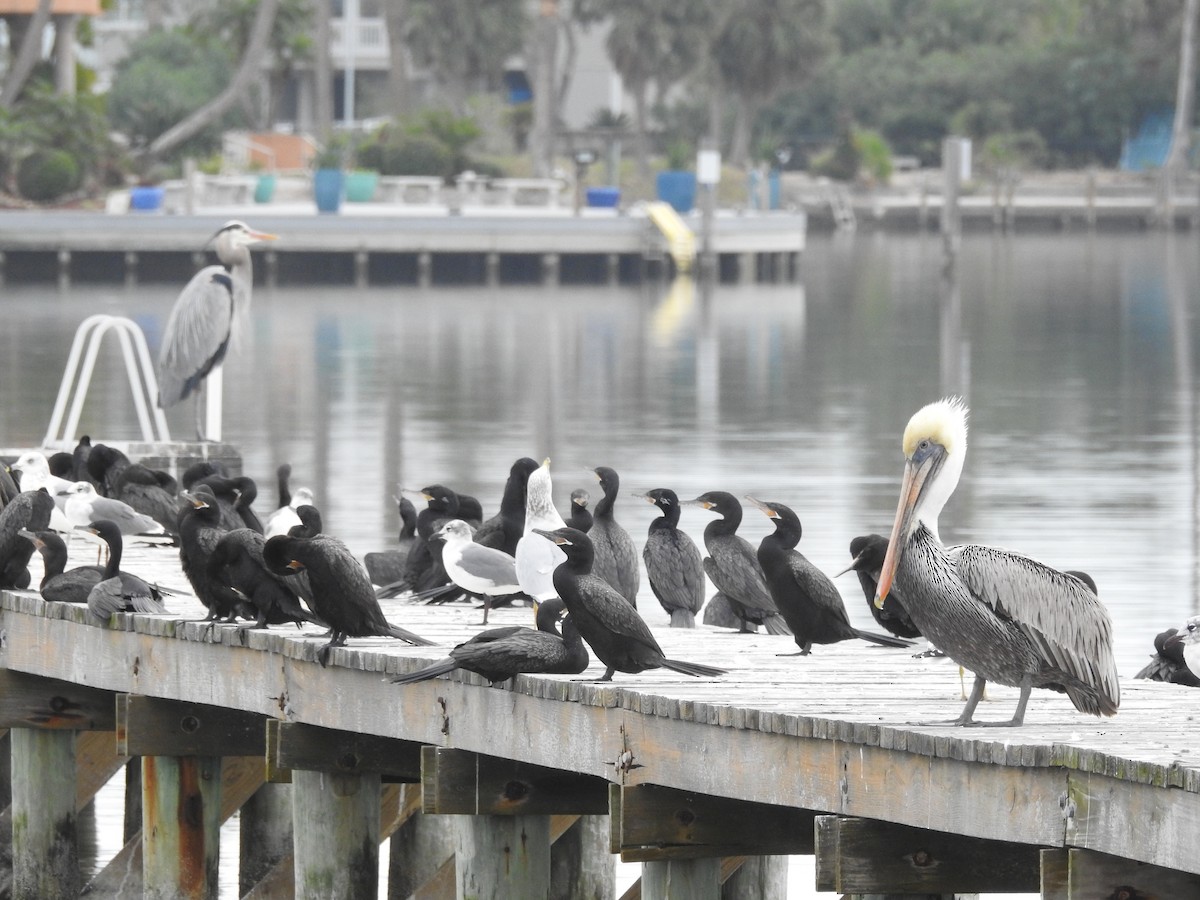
{"type": "Point", "coordinates": [503, 530]}
{"type": "Point", "coordinates": [673, 563]}
{"type": "Point", "coordinates": [28, 510]}
{"type": "Point", "coordinates": [580, 516]}
{"type": "Point", "coordinates": [607, 621]}
{"type": "Point", "coordinates": [268, 598]}
{"type": "Point", "coordinates": [732, 565]}
{"type": "Point", "coordinates": [807, 599]}
{"type": "Point", "coordinates": [58, 584]}
{"type": "Point", "coordinates": [499, 654]}
{"type": "Point", "coordinates": [342, 596]}
{"type": "Point", "coordinates": [616, 557]}
{"type": "Point", "coordinates": [868, 551]}
{"type": "Point", "coordinates": [119, 591]}
{"type": "Point", "coordinates": [387, 567]}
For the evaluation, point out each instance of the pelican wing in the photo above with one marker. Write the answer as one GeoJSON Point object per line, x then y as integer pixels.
{"type": "Point", "coordinates": [1067, 624]}
{"type": "Point", "coordinates": [197, 334]}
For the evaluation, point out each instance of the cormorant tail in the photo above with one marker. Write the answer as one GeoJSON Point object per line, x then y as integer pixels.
{"type": "Point", "coordinates": [695, 669]}
{"type": "Point", "coordinates": [776, 625]}
{"type": "Point", "coordinates": [397, 632]}
{"type": "Point", "coordinates": [682, 617]}
{"type": "Point", "coordinates": [885, 640]}
{"type": "Point", "coordinates": [438, 668]}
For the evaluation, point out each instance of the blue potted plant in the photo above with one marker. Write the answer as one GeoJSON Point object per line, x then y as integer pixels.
{"type": "Point", "coordinates": [677, 185]}
{"type": "Point", "coordinates": [329, 178]}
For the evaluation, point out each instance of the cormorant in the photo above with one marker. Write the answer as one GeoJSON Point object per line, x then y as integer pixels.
{"type": "Point", "coordinates": [503, 530]}
{"type": "Point", "coordinates": [580, 516]}
{"type": "Point", "coordinates": [342, 596]}
{"type": "Point", "coordinates": [59, 585]}
{"type": "Point", "coordinates": [199, 533]}
{"type": "Point", "coordinates": [807, 599]}
{"type": "Point", "coordinates": [387, 567]}
{"type": "Point", "coordinates": [269, 599]}
{"type": "Point", "coordinates": [1168, 663]}
{"type": "Point", "coordinates": [607, 621]}
{"type": "Point", "coordinates": [868, 551]}
{"type": "Point", "coordinates": [119, 591]}
{"type": "Point", "coordinates": [732, 565]}
{"type": "Point", "coordinates": [499, 654]}
{"type": "Point", "coordinates": [1004, 616]}
{"type": "Point", "coordinates": [310, 524]}
{"type": "Point", "coordinates": [616, 557]}
{"type": "Point", "coordinates": [28, 510]}
{"type": "Point", "coordinates": [1187, 641]}
{"type": "Point", "coordinates": [673, 563]}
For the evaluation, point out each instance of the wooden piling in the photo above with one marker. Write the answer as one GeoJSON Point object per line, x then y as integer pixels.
{"type": "Point", "coordinates": [682, 879]}
{"type": "Point", "coordinates": [335, 820]}
{"type": "Point", "coordinates": [758, 878]}
{"type": "Point", "coordinates": [265, 836]}
{"type": "Point", "coordinates": [45, 848]}
{"type": "Point", "coordinates": [581, 866]}
{"type": "Point", "coordinates": [500, 857]}
{"type": "Point", "coordinates": [419, 848]}
{"type": "Point", "coordinates": [181, 800]}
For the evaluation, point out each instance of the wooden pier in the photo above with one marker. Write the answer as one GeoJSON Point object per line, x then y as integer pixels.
{"type": "Point", "coordinates": [527, 790]}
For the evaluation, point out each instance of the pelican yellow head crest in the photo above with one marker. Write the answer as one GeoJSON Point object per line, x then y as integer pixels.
{"type": "Point", "coordinates": [943, 422]}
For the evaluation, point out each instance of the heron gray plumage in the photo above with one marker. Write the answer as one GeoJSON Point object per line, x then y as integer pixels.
{"type": "Point", "coordinates": [1006, 617]}
{"type": "Point", "coordinates": [208, 316]}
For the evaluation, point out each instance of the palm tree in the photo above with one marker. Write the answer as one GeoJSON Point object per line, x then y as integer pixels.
{"type": "Point", "coordinates": [761, 47]}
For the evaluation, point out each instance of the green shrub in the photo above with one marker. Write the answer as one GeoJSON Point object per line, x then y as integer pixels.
{"type": "Point", "coordinates": [407, 155]}
{"type": "Point", "coordinates": [875, 156]}
{"type": "Point", "coordinates": [47, 174]}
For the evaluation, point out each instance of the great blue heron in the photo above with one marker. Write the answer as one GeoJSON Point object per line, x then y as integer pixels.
{"type": "Point", "coordinates": [207, 318]}
{"type": "Point", "coordinates": [1005, 617]}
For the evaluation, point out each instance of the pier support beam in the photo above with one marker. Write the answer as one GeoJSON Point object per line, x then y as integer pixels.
{"type": "Point", "coordinates": [419, 848]}
{"type": "Point", "coordinates": [45, 846]}
{"type": "Point", "coordinates": [498, 857]}
{"type": "Point", "coordinates": [181, 822]}
{"type": "Point", "coordinates": [758, 878]}
{"type": "Point", "coordinates": [581, 865]}
{"type": "Point", "coordinates": [265, 834]}
{"type": "Point", "coordinates": [1085, 874]}
{"type": "Point", "coordinates": [336, 834]}
{"type": "Point", "coordinates": [682, 879]}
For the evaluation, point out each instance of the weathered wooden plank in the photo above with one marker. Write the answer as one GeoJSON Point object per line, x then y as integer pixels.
{"type": "Point", "coordinates": [151, 726]}
{"type": "Point", "coordinates": [654, 822]}
{"type": "Point", "coordinates": [295, 745]}
{"type": "Point", "coordinates": [861, 856]}
{"type": "Point", "coordinates": [30, 701]}
{"type": "Point", "coordinates": [1094, 875]}
{"type": "Point", "coordinates": [1107, 814]}
{"type": "Point", "coordinates": [463, 783]}
{"type": "Point", "coordinates": [45, 852]}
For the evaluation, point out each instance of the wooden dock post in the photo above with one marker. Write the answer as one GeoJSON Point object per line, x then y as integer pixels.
{"type": "Point", "coordinates": [551, 263]}
{"type": "Point", "coordinates": [181, 800]}
{"type": "Point", "coordinates": [265, 835]}
{"type": "Point", "coordinates": [758, 878]}
{"type": "Point", "coordinates": [362, 263]}
{"type": "Point", "coordinates": [581, 865]}
{"type": "Point", "coordinates": [682, 879]}
{"type": "Point", "coordinates": [335, 821]}
{"type": "Point", "coordinates": [131, 263]}
{"type": "Point", "coordinates": [45, 849]}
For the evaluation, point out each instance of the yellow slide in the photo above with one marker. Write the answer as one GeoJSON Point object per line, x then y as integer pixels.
{"type": "Point", "coordinates": [680, 239]}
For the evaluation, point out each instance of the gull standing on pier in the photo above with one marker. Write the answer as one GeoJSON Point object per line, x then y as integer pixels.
{"type": "Point", "coordinates": [1005, 617]}
{"type": "Point", "coordinates": [211, 312]}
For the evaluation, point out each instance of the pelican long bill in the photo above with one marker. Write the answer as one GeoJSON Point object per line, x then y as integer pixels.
{"type": "Point", "coordinates": [915, 475]}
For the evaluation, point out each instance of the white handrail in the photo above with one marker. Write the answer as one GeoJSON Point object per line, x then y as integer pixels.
{"type": "Point", "coordinates": [138, 369]}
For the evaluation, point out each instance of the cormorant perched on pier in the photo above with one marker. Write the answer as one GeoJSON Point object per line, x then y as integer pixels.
{"type": "Point", "coordinates": [424, 570]}
{"type": "Point", "coordinates": [499, 654]}
{"type": "Point", "coordinates": [673, 563]}
{"type": "Point", "coordinates": [1186, 640]}
{"type": "Point", "coordinates": [732, 565]}
{"type": "Point", "coordinates": [390, 567]}
{"type": "Point", "coordinates": [310, 524]}
{"type": "Point", "coordinates": [268, 598]}
{"type": "Point", "coordinates": [119, 591]}
{"type": "Point", "coordinates": [868, 551]}
{"type": "Point", "coordinates": [1168, 663]}
{"type": "Point", "coordinates": [342, 596]}
{"type": "Point", "coordinates": [199, 533]}
{"type": "Point", "coordinates": [28, 510]}
{"type": "Point", "coordinates": [580, 516]}
{"type": "Point", "coordinates": [613, 629]}
{"type": "Point", "coordinates": [503, 530]}
{"type": "Point", "coordinates": [57, 584]}
{"type": "Point", "coordinates": [807, 599]}
{"type": "Point", "coordinates": [1004, 616]}
{"type": "Point", "coordinates": [616, 557]}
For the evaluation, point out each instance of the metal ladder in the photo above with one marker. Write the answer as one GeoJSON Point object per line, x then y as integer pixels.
{"type": "Point", "coordinates": [843, 211]}
{"type": "Point", "coordinates": [142, 382]}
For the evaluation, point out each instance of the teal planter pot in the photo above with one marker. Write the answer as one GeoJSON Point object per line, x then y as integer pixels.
{"type": "Point", "coordinates": [264, 190]}
{"type": "Point", "coordinates": [328, 187]}
{"type": "Point", "coordinates": [677, 188]}
{"type": "Point", "coordinates": [360, 186]}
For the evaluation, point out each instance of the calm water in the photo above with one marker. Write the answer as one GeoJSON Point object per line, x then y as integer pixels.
{"type": "Point", "coordinates": [1075, 354]}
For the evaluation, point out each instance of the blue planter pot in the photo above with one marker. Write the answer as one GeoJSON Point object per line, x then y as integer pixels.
{"type": "Point", "coordinates": [328, 185]}
{"type": "Point", "coordinates": [604, 197]}
{"type": "Point", "coordinates": [677, 188]}
{"type": "Point", "coordinates": [146, 199]}
{"type": "Point", "coordinates": [264, 190]}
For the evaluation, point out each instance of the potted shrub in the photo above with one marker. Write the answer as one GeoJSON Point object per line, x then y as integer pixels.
{"type": "Point", "coordinates": [329, 178]}
{"type": "Point", "coordinates": [677, 185]}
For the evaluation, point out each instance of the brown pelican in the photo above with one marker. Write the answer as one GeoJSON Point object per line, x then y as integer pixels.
{"type": "Point", "coordinates": [1003, 616]}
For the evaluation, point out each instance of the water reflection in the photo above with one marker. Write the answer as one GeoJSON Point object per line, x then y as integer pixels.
{"type": "Point", "coordinates": [1075, 353]}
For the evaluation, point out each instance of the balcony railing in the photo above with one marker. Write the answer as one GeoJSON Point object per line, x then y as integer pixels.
{"type": "Point", "coordinates": [367, 44]}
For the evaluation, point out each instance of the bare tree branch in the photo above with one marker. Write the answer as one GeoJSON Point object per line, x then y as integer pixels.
{"type": "Point", "coordinates": [27, 56]}
{"type": "Point", "coordinates": [248, 70]}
